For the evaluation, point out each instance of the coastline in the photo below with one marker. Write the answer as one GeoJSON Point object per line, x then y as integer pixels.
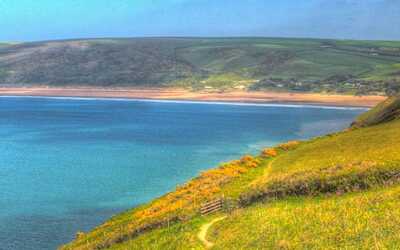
{"type": "Point", "coordinates": [176, 94]}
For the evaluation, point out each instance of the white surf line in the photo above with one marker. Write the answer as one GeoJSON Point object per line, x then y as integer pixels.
{"type": "Point", "coordinates": [284, 105]}
{"type": "Point", "coordinates": [204, 230]}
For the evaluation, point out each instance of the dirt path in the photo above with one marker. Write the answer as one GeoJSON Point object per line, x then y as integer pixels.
{"type": "Point", "coordinates": [202, 235]}
{"type": "Point", "coordinates": [204, 230]}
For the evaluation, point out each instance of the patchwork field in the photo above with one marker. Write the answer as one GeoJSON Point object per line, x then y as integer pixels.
{"type": "Point", "coordinates": [306, 65]}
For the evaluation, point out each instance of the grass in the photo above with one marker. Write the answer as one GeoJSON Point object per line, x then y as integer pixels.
{"type": "Point", "coordinates": [315, 65]}
{"type": "Point", "coordinates": [216, 82]}
{"type": "Point", "coordinates": [185, 238]}
{"type": "Point", "coordinates": [384, 112]}
{"type": "Point", "coordinates": [362, 220]}
{"type": "Point", "coordinates": [347, 160]}
{"type": "Point", "coordinates": [320, 64]}
{"type": "Point", "coordinates": [178, 206]}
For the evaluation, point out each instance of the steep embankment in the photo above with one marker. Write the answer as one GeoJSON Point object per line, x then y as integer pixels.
{"type": "Point", "coordinates": [386, 111]}
{"type": "Point", "coordinates": [335, 191]}
{"type": "Point", "coordinates": [362, 67]}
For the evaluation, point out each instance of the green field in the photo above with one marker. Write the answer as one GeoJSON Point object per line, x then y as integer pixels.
{"type": "Point", "coordinates": [308, 65]}
{"type": "Point", "coordinates": [360, 220]}
{"type": "Point", "coordinates": [339, 191]}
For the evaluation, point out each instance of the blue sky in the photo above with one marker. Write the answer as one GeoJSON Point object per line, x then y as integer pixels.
{"type": "Point", "coordinates": [27, 20]}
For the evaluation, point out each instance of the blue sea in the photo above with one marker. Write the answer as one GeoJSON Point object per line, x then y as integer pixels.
{"type": "Point", "coordinates": [66, 164]}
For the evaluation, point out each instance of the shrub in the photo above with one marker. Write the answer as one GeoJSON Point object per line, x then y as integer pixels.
{"type": "Point", "coordinates": [180, 205]}
{"type": "Point", "coordinates": [249, 161]}
{"type": "Point", "coordinates": [269, 152]}
{"type": "Point", "coordinates": [79, 235]}
{"type": "Point", "coordinates": [290, 145]}
{"type": "Point", "coordinates": [337, 179]}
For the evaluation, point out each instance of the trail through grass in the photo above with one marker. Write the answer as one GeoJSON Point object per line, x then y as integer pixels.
{"type": "Point", "coordinates": [202, 235]}
{"type": "Point", "coordinates": [361, 220]}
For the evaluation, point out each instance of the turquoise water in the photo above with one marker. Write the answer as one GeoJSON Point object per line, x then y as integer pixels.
{"type": "Point", "coordinates": [68, 164]}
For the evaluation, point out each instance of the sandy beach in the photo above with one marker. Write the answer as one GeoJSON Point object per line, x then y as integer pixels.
{"type": "Point", "coordinates": [182, 94]}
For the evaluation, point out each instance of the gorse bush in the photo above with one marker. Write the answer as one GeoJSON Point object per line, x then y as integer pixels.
{"type": "Point", "coordinates": [290, 145]}
{"type": "Point", "coordinates": [269, 152]}
{"type": "Point", "coordinates": [180, 205]}
{"type": "Point", "coordinates": [249, 161]}
{"type": "Point", "coordinates": [273, 152]}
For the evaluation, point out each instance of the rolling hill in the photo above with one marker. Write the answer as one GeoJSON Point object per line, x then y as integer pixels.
{"type": "Point", "coordinates": [338, 191]}
{"type": "Point", "coordinates": [353, 67]}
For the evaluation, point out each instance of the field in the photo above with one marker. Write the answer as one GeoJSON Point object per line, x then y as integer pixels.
{"type": "Point", "coordinates": [361, 220]}
{"type": "Point", "coordinates": [338, 191]}
{"type": "Point", "coordinates": [306, 65]}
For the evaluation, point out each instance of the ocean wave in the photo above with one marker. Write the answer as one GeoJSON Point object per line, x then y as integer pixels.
{"type": "Point", "coordinates": [284, 105]}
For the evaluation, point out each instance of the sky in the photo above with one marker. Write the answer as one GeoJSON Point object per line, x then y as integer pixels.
{"type": "Point", "coordinates": [32, 20]}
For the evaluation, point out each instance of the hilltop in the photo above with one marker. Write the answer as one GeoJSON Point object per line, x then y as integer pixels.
{"type": "Point", "coordinates": [332, 192]}
{"type": "Point", "coordinates": [278, 64]}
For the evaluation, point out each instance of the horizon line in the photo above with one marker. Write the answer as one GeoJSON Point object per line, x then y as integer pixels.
{"type": "Point", "coordinates": [195, 37]}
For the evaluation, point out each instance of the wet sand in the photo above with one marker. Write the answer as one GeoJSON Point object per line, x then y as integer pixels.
{"type": "Point", "coordinates": [182, 94]}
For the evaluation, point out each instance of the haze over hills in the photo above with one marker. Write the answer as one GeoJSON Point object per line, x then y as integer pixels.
{"type": "Point", "coordinates": [65, 19]}
{"type": "Point", "coordinates": [343, 66]}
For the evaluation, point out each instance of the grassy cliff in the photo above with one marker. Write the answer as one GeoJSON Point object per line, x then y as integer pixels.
{"type": "Point", "coordinates": [354, 67]}
{"type": "Point", "coordinates": [386, 111]}
{"type": "Point", "coordinates": [339, 191]}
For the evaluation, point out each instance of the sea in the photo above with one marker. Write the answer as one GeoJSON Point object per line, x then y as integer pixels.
{"type": "Point", "coordinates": [68, 164]}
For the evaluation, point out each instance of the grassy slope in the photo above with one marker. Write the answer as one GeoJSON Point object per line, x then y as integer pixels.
{"type": "Point", "coordinates": [362, 220]}
{"type": "Point", "coordinates": [331, 192]}
{"type": "Point", "coordinates": [384, 112]}
{"type": "Point", "coordinates": [352, 159]}
{"type": "Point", "coordinates": [184, 237]}
{"type": "Point", "coordinates": [183, 204]}
{"type": "Point", "coordinates": [321, 65]}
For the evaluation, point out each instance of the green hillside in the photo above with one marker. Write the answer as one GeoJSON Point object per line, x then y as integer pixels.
{"type": "Point", "coordinates": [339, 191]}
{"type": "Point", "coordinates": [386, 111]}
{"type": "Point", "coordinates": [353, 67]}
{"type": "Point", "coordinates": [360, 220]}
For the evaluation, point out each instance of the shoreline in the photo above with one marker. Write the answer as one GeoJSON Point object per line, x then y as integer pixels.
{"type": "Point", "coordinates": [176, 94]}
{"type": "Point", "coordinates": [231, 103]}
